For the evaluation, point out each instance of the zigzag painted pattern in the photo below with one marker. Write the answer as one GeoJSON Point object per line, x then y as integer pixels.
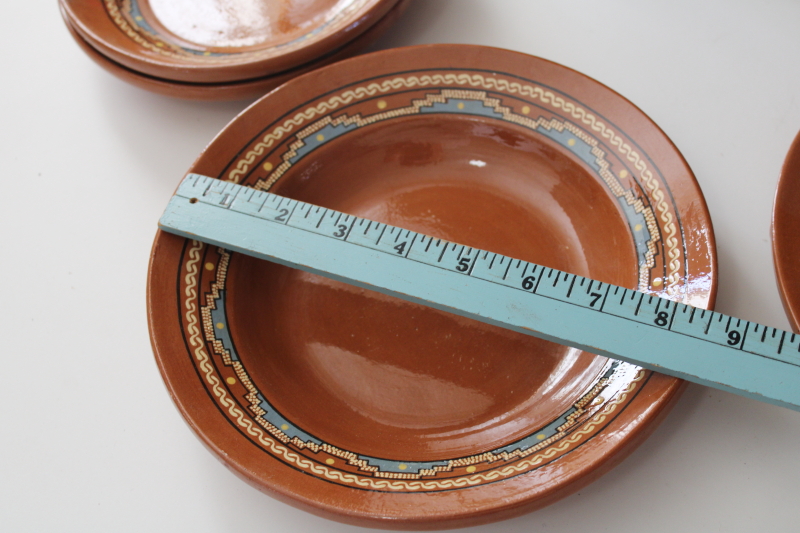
{"type": "Point", "coordinates": [280, 451]}
{"type": "Point", "coordinates": [417, 105]}
{"type": "Point", "coordinates": [351, 458]}
{"type": "Point", "coordinates": [673, 282]}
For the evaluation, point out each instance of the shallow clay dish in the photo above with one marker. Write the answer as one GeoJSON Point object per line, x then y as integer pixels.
{"type": "Point", "coordinates": [236, 90]}
{"type": "Point", "coordinates": [786, 234]}
{"type": "Point", "coordinates": [370, 410]}
{"type": "Point", "coordinates": [220, 41]}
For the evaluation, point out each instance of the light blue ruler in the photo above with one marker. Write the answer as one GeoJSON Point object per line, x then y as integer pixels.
{"type": "Point", "coordinates": [695, 344]}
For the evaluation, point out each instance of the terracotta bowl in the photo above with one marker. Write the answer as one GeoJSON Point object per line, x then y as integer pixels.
{"type": "Point", "coordinates": [374, 411]}
{"type": "Point", "coordinates": [786, 235]}
{"type": "Point", "coordinates": [244, 89]}
{"type": "Point", "coordinates": [220, 41]}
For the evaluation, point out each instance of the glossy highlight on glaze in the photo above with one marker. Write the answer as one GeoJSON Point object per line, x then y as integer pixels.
{"type": "Point", "coordinates": [423, 181]}
{"type": "Point", "coordinates": [221, 41]}
{"type": "Point", "coordinates": [366, 405]}
{"type": "Point", "coordinates": [241, 23]}
{"type": "Point", "coordinates": [251, 88]}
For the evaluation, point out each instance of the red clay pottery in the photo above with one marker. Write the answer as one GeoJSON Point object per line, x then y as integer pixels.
{"type": "Point", "coordinates": [244, 89]}
{"type": "Point", "coordinates": [374, 411]}
{"type": "Point", "coordinates": [786, 234]}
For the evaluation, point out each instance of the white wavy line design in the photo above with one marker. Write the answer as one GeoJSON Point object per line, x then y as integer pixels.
{"type": "Point", "coordinates": [253, 430]}
{"type": "Point", "coordinates": [346, 97]}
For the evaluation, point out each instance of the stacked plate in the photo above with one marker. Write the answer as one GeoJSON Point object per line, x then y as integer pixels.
{"type": "Point", "coordinates": [223, 49]}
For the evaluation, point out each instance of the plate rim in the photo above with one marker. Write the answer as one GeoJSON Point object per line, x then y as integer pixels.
{"type": "Point", "coordinates": [96, 26]}
{"type": "Point", "coordinates": [785, 228]}
{"type": "Point", "coordinates": [235, 90]}
{"type": "Point", "coordinates": [509, 508]}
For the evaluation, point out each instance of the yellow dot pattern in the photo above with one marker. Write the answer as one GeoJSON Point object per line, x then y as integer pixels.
{"type": "Point", "coordinates": [329, 461]}
{"type": "Point", "coordinates": [267, 166]}
{"type": "Point", "coordinates": [403, 467]}
{"type": "Point", "coordinates": [381, 104]}
{"type": "Point", "coordinates": [284, 426]}
{"type": "Point", "coordinates": [320, 137]}
{"type": "Point", "coordinates": [571, 142]}
{"type": "Point", "coordinates": [220, 325]}
{"type": "Point", "coordinates": [657, 282]}
{"type": "Point", "coordinates": [461, 105]}
{"type": "Point", "coordinates": [209, 266]}
{"type": "Point", "coordinates": [623, 174]}
{"type": "Point", "coordinates": [526, 110]}
{"type": "Point", "coordinates": [637, 227]}
{"type": "Point", "coordinates": [231, 381]}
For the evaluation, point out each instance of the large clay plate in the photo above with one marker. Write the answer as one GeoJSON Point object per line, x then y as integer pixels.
{"type": "Point", "coordinates": [786, 234]}
{"type": "Point", "coordinates": [234, 90]}
{"type": "Point", "coordinates": [370, 410]}
{"type": "Point", "coordinates": [220, 41]}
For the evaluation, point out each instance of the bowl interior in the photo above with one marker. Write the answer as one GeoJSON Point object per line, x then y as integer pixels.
{"type": "Point", "coordinates": [386, 378]}
{"type": "Point", "coordinates": [378, 412]}
{"type": "Point", "coordinates": [223, 41]}
{"type": "Point", "coordinates": [221, 25]}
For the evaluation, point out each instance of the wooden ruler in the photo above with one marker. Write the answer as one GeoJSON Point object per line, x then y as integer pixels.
{"type": "Point", "coordinates": [656, 333]}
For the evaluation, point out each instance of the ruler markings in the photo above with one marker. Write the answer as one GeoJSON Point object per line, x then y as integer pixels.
{"type": "Point", "coordinates": [505, 274]}
{"type": "Point", "coordinates": [744, 335]}
{"type": "Point", "coordinates": [665, 325]}
{"type": "Point", "coordinates": [605, 297]}
{"type": "Point", "coordinates": [672, 316]}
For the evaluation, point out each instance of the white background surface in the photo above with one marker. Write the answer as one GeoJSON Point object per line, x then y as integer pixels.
{"type": "Point", "coordinates": [89, 439]}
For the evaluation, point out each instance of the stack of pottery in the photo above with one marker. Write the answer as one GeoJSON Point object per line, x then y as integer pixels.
{"type": "Point", "coordinates": [223, 49]}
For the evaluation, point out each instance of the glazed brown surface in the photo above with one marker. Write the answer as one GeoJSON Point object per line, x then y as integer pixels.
{"type": "Point", "coordinates": [393, 379]}
{"type": "Point", "coordinates": [245, 89]}
{"type": "Point", "coordinates": [343, 364]}
{"type": "Point", "coordinates": [168, 52]}
{"type": "Point", "coordinates": [786, 235]}
{"type": "Point", "coordinates": [240, 24]}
